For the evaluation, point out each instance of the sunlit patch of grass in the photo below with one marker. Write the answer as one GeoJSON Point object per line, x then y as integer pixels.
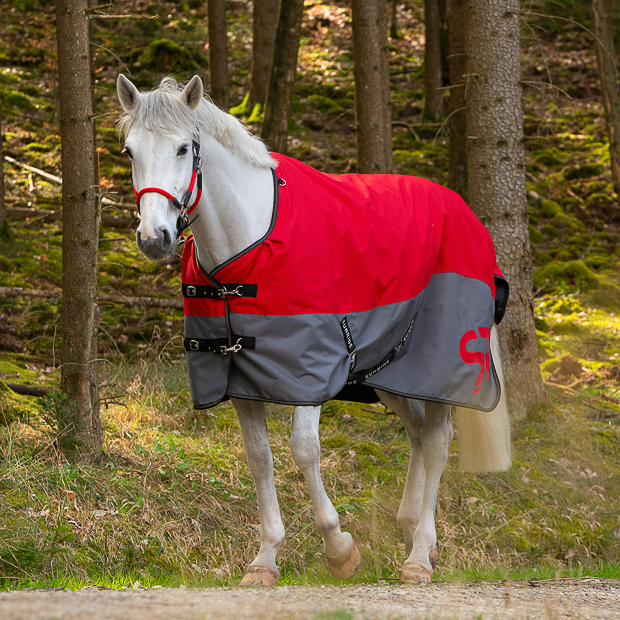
{"type": "Point", "coordinates": [172, 497]}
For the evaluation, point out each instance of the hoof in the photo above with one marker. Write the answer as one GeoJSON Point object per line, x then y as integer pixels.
{"type": "Point", "coordinates": [416, 572]}
{"type": "Point", "coordinates": [347, 564]}
{"type": "Point", "coordinates": [433, 557]}
{"type": "Point", "coordinates": [260, 576]}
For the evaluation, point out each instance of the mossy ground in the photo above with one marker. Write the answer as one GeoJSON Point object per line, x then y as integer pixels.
{"type": "Point", "coordinates": [171, 499]}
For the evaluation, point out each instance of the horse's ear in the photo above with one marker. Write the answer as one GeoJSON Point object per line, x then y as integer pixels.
{"type": "Point", "coordinates": [128, 94]}
{"type": "Point", "coordinates": [192, 93]}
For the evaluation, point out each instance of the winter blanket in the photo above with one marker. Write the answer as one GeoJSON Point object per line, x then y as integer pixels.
{"type": "Point", "coordinates": [361, 282]}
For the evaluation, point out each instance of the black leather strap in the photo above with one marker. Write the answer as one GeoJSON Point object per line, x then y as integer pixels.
{"type": "Point", "coordinates": [220, 346]}
{"type": "Point", "coordinates": [197, 291]}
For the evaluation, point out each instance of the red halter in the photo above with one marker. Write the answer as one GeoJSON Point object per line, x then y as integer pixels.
{"type": "Point", "coordinates": [183, 220]}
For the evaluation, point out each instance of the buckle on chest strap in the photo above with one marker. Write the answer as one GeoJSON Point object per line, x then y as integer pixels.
{"type": "Point", "coordinates": [224, 350]}
{"type": "Point", "coordinates": [200, 291]}
{"type": "Point", "coordinates": [238, 291]}
{"type": "Point", "coordinates": [220, 346]}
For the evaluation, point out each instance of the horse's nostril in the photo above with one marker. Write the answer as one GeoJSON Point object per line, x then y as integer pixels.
{"type": "Point", "coordinates": [167, 240]}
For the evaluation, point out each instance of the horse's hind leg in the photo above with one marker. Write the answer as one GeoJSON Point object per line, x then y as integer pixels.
{"type": "Point", "coordinates": [343, 555]}
{"type": "Point", "coordinates": [263, 571]}
{"type": "Point", "coordinates": [429, 428]}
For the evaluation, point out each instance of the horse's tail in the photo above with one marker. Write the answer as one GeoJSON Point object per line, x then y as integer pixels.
{"type": "Point", "coordinates": [484, 437]}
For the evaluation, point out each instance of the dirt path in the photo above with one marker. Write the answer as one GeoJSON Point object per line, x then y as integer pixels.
{"type": "Point", "coordinates": [593, 599]}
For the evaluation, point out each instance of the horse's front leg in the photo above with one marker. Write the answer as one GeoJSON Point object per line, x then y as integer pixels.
{"type": "Point", "coordinates": [263, 571]}
{"type": "Point", "coordinates": [343, 554]}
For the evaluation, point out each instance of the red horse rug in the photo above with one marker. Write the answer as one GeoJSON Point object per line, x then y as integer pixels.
{"type": "Point", "coordinates": [361, 282]}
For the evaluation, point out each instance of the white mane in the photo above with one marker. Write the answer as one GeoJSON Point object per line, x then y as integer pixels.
{"type": "Point", "coordinates": [160, 111]}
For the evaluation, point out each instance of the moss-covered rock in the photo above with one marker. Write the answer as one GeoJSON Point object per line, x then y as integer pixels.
{"type": "Point", "coordinates": [562, 274]}
{"type": "Point", "coordinates": [15, 407]}
{"type": "Point", "coordinates": [549, 157]}
{"type": "Point", "coordinates": [585, 171]}
{"type": "Point", "coordinates": [165, 54]}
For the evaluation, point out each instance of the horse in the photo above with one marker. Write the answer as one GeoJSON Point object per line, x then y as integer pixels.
{"type": "Point", "coordinates": [173, 136]}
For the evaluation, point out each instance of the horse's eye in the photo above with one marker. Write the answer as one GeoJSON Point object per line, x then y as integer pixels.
{"type": "Point", "coordinates": [182, 150]}
{"type": "Point", "coordinates": [126, 150]}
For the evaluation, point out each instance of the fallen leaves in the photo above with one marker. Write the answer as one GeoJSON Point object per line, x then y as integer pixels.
{"type": "Point", "coordinates": [71, 496]}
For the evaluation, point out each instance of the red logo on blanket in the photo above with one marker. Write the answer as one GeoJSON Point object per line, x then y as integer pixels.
{"type": "Point", "coordinates": [477, 357]}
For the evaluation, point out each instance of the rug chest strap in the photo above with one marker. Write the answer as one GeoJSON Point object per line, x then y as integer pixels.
{"type": "Point", "coordinates": [220, 346]}
{"type": "Point", "coordinates": [198, 291]}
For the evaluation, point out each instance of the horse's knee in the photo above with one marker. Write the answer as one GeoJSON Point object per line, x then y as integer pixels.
{"type": "Point", "coordinates": [306, 451]}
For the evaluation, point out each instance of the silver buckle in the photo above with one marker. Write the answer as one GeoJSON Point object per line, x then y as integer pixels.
{"type": "Point", "coordinates": [237, 292]}
{"type": "Point", "coordinates": [191, 291]}
{"type": "Point", "coordinates": [234, 349]}
{"type": "Point", "coordinates": [194, 345]}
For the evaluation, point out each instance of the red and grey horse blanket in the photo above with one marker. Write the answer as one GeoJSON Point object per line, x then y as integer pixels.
{"type": "Point", "coordinates": [361, 282]}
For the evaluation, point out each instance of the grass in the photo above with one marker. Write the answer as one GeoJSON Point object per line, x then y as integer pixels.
{"type": "Point", "coordinates": [170, 500]}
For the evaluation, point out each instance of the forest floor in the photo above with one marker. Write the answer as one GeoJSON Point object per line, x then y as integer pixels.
{"type": "Point", "coordinates": [593, 599]}
{"type": "Point", "coordinates": [171, 501]}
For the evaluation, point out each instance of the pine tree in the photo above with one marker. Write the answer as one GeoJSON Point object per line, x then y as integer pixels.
{"type": "Point", "coordinates": [279, 102]}
{"type": "Point", "coordinates": [218, 52]}
{"type": "Point", "coordinates": [79, 423]}
{"type": "Point", "coordinates": [496, 181]}
{"type": "Point", "coordinates": [373, 119]}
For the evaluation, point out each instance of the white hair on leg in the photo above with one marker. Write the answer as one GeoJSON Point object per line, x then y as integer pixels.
{"type": "Point", "coordinates": [484, 437]}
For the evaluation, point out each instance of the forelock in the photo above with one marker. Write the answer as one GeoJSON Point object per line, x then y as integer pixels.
{"type": "Point", "coordinates": [162, 112]}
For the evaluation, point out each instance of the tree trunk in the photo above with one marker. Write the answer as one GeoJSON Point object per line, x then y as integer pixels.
{"type": "Point", "coordinates": [279, 102]}
{"type": "Point", "coordinates": [394, 22]}
{"type": "Point", "coordinates": [2, 202]}
{"type": "Point", "coordinates": [433, 103]}
{"type": "Point", "coordinates": [603, 29]}
{"type": "Point", "coordinates": [264, 35]}
{"type": "Point", "coordinates": [373, 119]}
{"type": "Point", "coordinates": [496, 181]}
{"type": "Point", "coordinates": [82, 426]}
{"type": "Point", "coordinates": [457, 122]}
{"type": "Point", "coordinates": [218, 52]}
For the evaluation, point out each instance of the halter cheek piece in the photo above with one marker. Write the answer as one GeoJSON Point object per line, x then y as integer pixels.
{"type": "Point", "coordinates": [183, 220]}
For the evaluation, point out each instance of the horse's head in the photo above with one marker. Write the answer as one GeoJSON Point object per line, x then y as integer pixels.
{"type": "Point", "coordinates": [162, 142]}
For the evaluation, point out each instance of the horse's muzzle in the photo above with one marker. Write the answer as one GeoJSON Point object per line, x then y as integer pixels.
{"type": "Point", "coordinates": [160, 247]}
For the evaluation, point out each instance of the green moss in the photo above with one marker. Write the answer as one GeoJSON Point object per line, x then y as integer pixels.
{"type": "Point", "coordinates": [324, 104]}
{"type": "Point", "coordinates": [600, 199]}
{"type": "Point", "coordinates": [563, 274]}
{"type": "Point", "coordinates": [584, 171]}
{"type": "Point", "coordinates": [164, 55]}
{"type": "Point", "coordinates": [550, 208]}
{"type": "Point", "coordinates": [243, 109]}
{"type": "Point", "coordinates": [15, 407]}
{"type": "Point", "coordinates": [19, 101]}
{"type": "Point", "coordinates": [549, 157]}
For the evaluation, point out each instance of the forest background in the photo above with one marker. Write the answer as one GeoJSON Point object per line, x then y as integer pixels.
{"type": "Point", "coordinates": [171, 499]}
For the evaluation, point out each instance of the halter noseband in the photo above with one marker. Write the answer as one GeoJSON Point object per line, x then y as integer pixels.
{"type": "Point", "coordinates": [183, 220]}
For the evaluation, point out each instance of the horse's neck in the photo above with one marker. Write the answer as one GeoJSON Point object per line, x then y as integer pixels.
{"type": "Point", "coordinates": [236, 207]}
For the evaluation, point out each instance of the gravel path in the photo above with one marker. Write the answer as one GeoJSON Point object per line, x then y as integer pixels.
{"type": "Point", "coordinates": [586, 599]}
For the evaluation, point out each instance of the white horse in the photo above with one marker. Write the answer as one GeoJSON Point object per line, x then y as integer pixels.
{"type": "Point", "coordinates": [235, 209]}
